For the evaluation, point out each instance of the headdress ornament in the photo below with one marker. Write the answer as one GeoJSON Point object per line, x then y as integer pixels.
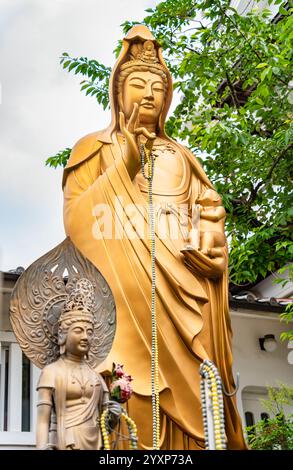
{"type": "Point", "coordinates": [80, 303]}
{"type": "Point", "coordinates": [143, 53]}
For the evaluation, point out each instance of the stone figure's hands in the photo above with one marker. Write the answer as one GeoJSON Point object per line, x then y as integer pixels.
{"type": "Point", "coordinates": [132, 133]}
{"type": "Point", "coordinates": [115, 410]}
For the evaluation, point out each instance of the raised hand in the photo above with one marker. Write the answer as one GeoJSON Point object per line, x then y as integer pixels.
{"type": "Point", "coordinates": [132, 134]}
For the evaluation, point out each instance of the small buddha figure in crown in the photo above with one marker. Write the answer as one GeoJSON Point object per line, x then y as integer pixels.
{"type": "Point", "coordinates": [71, 395]}
{"type": "Point", "coordinates": [148, 53]}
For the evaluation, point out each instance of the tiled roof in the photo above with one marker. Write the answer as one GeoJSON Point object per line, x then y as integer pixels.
{"type": "Point", "coordinates": [246, 299]}
{"type": "Point", "coordinates": [249, 300]}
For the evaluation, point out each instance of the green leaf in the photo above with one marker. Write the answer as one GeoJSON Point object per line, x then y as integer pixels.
{"type": "Point", "coordinates": [60, 159]}
{"type": "Point", "coordinates": [283, 11]}
{"type": "Point", "coordinates": [266, 73]}
{"type": "Point", "coordinates": [259, 100]}
{"type": "Point", "coordinates": [264, 90]}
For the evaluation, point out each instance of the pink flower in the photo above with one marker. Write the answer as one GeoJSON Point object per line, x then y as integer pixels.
{"type": "Point", "coordinates": [120, 388]}
{"type": "Point", "coordinates": [118, 370]}
{"type": "Point", "coordinates": [122, 383]}
{"type": "Point", "coordinates": [125, 395]}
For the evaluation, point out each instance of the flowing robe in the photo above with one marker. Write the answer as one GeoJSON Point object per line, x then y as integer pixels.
{"type": "Point", "coordinates": [192, 309]}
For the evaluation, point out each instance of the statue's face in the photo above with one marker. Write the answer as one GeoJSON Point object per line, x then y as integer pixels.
{"type": "Point", "coordinates": [147, 90]}
{"type": "Point", "coordinates": [79, 337]}
{"type": "Point", "coordinates": [210, 198]}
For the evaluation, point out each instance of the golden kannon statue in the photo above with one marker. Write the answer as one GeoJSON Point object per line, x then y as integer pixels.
{"type": "Point", "coordinates": [104, 172]}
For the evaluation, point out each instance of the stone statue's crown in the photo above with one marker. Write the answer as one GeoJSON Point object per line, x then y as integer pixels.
{"type": "Point", "coordinates": [80, 303]}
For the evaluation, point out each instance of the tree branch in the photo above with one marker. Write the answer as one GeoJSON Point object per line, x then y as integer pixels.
{"type": "Point", "coordinates": [242, 34]}
{"type": "Point", "coordinates": [233, 94]}
{"type": "Point", "coordinates": [186, 47]}
{"type": "Point", "coordinates": [254, 191]}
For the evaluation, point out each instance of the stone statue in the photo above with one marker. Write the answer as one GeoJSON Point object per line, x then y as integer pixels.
{"type": "Point", "coordinates": [63, 315]}
{"type": "Point", "coordinates": [105, 216]}
{"type": "Point", "coordinates": [71, 395]}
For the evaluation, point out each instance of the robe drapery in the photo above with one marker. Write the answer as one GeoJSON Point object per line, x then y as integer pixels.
{"type": "Point", "coordinates": [191, 290]}
{"type": "Point", "coordinates": [192, 310]}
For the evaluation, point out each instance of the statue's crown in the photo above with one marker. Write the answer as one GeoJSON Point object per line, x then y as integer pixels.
{"type": "Point", "coordinates": [80, 303]}
{"type": "Point", "coordinates": [142, 53]}
{"type": "Point", "coordinates": [146, 52]}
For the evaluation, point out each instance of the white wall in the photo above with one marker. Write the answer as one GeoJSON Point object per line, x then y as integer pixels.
{"type": "Point", "coordinates": [13, 437]}
{"type": "Point", "coordinates": [258, 368]}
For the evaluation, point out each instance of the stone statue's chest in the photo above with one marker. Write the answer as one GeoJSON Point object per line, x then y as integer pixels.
{"type": "Point", "coordinates": [171, 174]}
{"type": "Point", "coordinates": [80, 384]}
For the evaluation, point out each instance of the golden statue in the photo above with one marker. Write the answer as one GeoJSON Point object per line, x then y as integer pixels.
{"type": "Point", "coordinates": [106, 217]}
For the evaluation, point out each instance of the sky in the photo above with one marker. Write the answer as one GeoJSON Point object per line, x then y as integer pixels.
{"type": "Point", "coordinates": [42, 110]}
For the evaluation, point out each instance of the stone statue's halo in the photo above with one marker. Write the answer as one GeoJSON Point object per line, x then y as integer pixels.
{"type": "Point", "coordinates": [44, 292]}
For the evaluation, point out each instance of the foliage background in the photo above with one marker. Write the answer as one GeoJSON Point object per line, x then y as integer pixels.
{"type": "Point", "coordinates": [276, 432]}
